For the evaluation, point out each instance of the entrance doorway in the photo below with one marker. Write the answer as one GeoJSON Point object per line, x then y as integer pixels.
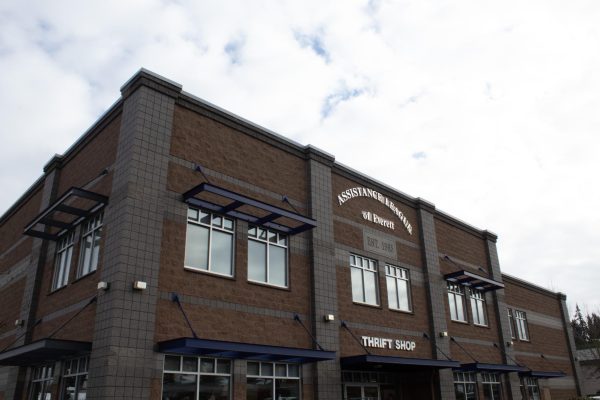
{"type": "Point", "coordinates": [361, 392]}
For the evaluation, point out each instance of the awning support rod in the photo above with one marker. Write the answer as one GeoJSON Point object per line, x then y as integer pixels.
{"type": "Point", "coordinates": [426, 336]}
{"type": "Point", "coordinates": [297, 319]}
{"type": "Point", "coordinates": [175, 298]}
{"type": "Point", "coordinates": [344, 325]}
{"type": "Point", "coordinates": [463, 349]}
{"type": "Point", "coordinates": [506, 355]}
{"type": "Point", "coordinates": [92, 300]}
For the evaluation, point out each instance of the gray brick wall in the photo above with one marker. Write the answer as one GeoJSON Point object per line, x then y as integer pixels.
{"type": "Point", "coordinates": [436, 294]}
{"type": "Point", "coordinates": [123, 362]}
{"type": "Point", "coordinates": [327, 374]}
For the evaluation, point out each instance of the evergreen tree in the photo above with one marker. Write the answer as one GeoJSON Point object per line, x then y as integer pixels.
{"type": "Point", "coordinates": [580, 328]}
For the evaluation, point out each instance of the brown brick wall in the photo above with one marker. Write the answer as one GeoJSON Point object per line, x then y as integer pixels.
{"type": "Point", "coordinates": [352, 208]}
{"type": "Point", "coordinates": [518, 296]}
{"type": "Point", "coordinates": [10, 309]}
{"type": "Point", "coordinates": [460, 246]}
{"type": "Point", "coordinates": [80, 328]}
{"type": "Point", "coordinates": [11, 229]}
{"type": "Point", "coordinates": [89, 161]}
{"type": "Point", "coordinates": [214, 145]}
{"type": "Point", "coordinates": [15, 255]}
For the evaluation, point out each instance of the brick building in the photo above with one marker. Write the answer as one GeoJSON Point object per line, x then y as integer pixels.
{"type": "Point", "coordinates": [178, 251]}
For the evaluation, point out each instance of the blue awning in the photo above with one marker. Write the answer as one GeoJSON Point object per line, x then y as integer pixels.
{"type": "Point", "coordinates": [544, 374]}
{"type": "Point", "coordinates": [493, 367]}
{"type": "Point", "coordinates": [43, 351]}
{"type": "Point", "coordinates": [268, 213]}
{"type": "Point", "coordinates": [247, 351]}
{"type": "Point", "coordinates": [370, 360]}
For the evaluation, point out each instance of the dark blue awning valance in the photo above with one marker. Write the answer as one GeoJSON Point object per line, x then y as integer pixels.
{"type": "Point", "coordinates": [544, 374]}
{"type": "Point", "coordinates": [43, 351]}
{"type": "Point", "coordinates": [370, 360]}
{"type": "Point", "coordinates": [236, 350]}
{"type": "Point", "coordinates": [235, 201]}
{"type": "Point", "coordinates": [493, 367]}
{"type": "Point", "coordinates": [478, 282]}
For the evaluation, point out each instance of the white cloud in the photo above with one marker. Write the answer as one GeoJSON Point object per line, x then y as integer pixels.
{"type": "Point", "coordinates": [488, 109]}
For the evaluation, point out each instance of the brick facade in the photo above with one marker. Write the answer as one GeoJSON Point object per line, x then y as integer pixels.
{"type": "Point", "coordinates": [156, 143]}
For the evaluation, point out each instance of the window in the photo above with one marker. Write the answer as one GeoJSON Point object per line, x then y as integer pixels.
{"type": "Point", "coordinates": [521, 320]}
{"type": "Point", "coordinates": [491, 386]}
{"type": "Point", "coordinates": [465, 386]}
{"type": "Point", "coordinates": [478, 307]}
{"type": "Point", "coordinates": [64, 252]}
{"type": "Point", "coordinates": [90, 245]}
{"type": "Point", "coordinates": [74, 382]}
{"type": "Point", "coordinates": [364, 280]}
{"type": "Point", "coordinates": [196, 378]}
{"type": "Point", "coordinates": [510, 323]}
{"type": "Point", "coordinates": [266, 381]}
{"type": "Point", "coordinates": [456, 301]}
{"type": "Point", "coordinates": [530, 385]}
{"type": "Point", "coordinates": [209, 242]}
{"type": "Point", "coordinates": [398, 287]}
{"type": "Point", "coordinates": [41, 382]}
{"type": "Point", "coordinates": [267, 256]}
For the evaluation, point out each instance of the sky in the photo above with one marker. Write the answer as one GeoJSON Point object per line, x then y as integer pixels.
{"type": "Point", "coordinates": [488, 109]}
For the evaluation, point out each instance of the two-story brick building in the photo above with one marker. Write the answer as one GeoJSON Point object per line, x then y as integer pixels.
{"type": "Point", "coordinates": [178, 251]}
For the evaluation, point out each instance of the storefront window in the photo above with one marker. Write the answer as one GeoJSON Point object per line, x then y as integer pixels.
{"type": "Point", "coordinates": [266, 381]}
{"type": "Point", "coordinates": [196, 378]}
{"type": "Point", "coordinates": [209, 242]}
{"type": "Point", "coordinates": [75, 376]}
{"type": "Point", "coordinates": [267, 256]}
{"type": "Point", "coordinates": [478, 307]}
{"type": "Point", "coordinates": [491, 386]}
{"type": "Point", "coordinates": [465, 386]}
{"type": "Point", "coordinates": [456, 301]}
{"type": "Point", "coordinates": [398, 286]}
{"type": "Point", "coordinates": [532, 388]}
{"type": "Point", "coordinates": [41, 383]}
{"type": "Point", "coordinates": [364, 280]}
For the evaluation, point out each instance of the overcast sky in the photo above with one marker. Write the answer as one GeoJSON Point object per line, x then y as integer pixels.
{"type": "Point", "coordinates": [490, 110]}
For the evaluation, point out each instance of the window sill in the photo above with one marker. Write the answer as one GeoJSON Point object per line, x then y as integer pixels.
{"type": "Point", "coordinates": [358, 303]}
{"type": "Point", "coordinates": [459, 322]}
{"type": "Point", "coordinates": [402, 311]}
{"type": "Point", "coordinates": [270, 285]}
{"type": "Point", "coordinates": [210, 273]}
{"type": "Point", "coordinates": [52, 291]}
{"type": "Point", "coordinates": [481, 326]}
{"type": "Point", "coordinates": [84, 276]}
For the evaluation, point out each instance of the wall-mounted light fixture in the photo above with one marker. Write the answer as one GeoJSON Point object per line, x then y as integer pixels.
{"type": "Point", "coordinates": [443, 334]}
{"type": "Point", "coordinates": [329, 317]}
{"type": "Point", "coordinates": [102, 285]}
{"type": "Point", "coordinates": [140, 285]}
{"type": "Point", "coordinates": [19, 322]}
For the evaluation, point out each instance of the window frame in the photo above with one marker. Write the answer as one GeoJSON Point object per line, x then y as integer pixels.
{"type": "Point", "coordinates": [491, 379]}
{"type": "Point", "coordinates": [478, 307]}
{"type": "Point", "coordinates": [361, 267]}
{"type": "Point", "coordinates": [78, 374]}
{"type": "Point", "coordinates": [400, 275]}
{"type": "Point", "coordinates": [43, 374]}
{"type": "Point", "coordinates": [63, 259]}
{"type": "Point", "coordinates": [279, 236]}
{"type": "Point", "coordinates": [511, 323]}
{"type": "Point", "coordinates": [463, 379]}
{"type": "Point", "coordinates": [529, 384]}
{"type": "Point", "coordinates": [198, 372]}
{"type": "Point", "coordinates": [211, 228]}
{"type": "Point", "coordinates": [90, 227]}
{"type": "Point", "coordinates": [522, 328]}
{"type": "Point", "coordinates": [274, 377]}
{"type": "Point", "coordinates": [455, 291]}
